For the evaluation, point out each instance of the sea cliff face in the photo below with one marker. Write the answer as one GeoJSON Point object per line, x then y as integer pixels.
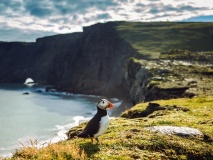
{"type": "Point", "coordinates": [100, 60]}
{"type": "Point", "coordinates": [92, 62]}
{"type": "Point", "coordinates": [97, 66]}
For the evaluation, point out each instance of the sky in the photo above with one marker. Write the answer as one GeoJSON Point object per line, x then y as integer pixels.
{"type": "Point", "coordinates": [26, 20]}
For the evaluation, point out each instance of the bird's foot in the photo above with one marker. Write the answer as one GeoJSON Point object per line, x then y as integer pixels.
{"type": "Point", "coordinates": [97, 140]}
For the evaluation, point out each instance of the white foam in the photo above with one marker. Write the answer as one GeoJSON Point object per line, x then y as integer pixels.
{"type": "Point", "coordinates": [7, 152]}
{"type": "Point", "coordinates": [117, 104]}
{"type": "Point", "coordinates": [77, 120]}
{"type": "Point", "coordinates": [114, 99]}
{"type": "Point", "coordinates": [6, 155]}
{"type": "Point", "coordinates": [60, 136]}
{"type": "Point", "coordinates": [3, 149]}
{"type": "Point", "coordinates": [63, 129]}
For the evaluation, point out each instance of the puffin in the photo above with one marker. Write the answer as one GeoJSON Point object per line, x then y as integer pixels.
{"type": "Point", "coordinates": [99, 123]}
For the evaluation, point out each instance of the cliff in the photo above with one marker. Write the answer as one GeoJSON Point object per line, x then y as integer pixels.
{"type": "Point", "coordinates": [99, 66]}
{"type": "Point", "coordinates": [92, 62]}
{"type": "Point", "coordinates": [96, 61]}
{"type": "Point", "coordinates": [177, 73]}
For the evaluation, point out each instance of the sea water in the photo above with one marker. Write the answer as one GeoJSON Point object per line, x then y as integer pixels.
{"type": "Point", "coordinates": [31, 113]}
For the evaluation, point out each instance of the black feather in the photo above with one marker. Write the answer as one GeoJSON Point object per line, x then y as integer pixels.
{"type": "Point", "coordinates": [93, 125]}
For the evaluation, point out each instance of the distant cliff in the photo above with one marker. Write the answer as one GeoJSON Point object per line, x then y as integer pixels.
{"type": "Point", "coordinates": [92, 62]}
{"type": "Point", "coordinates": [98, 60]}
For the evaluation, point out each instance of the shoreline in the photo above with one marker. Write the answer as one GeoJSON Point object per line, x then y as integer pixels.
{"type": "Point", "coordinates": [78, 119]}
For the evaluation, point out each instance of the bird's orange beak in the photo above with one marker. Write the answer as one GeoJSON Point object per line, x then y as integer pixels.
{"type": "Point", "coordinates": [110, 106]}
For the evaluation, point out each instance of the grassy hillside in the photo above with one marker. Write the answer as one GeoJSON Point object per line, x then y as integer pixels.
{"type": "Point", "coordinates": [127, 136]}
{"type": "Point", "coordinates": [128, 139]}
{"type": "Point", "coordinates": [154, 37]}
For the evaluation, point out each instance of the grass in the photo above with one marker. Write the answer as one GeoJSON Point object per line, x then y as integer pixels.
{"type": "Point", "coordinates": [150, 39]}
{"type": "Point", "coordinates": [199, 115]}
{"type": "Point", "coordinates": [127, 137]}
{"type": "Point", "coordinates": [62, 151]}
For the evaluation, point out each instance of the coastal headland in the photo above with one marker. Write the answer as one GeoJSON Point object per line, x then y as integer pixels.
{"type": "Point", "coordinates": [168, 64]}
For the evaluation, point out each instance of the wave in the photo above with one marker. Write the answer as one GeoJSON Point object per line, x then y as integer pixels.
{"type": "Point", "coordinates": [61, 135]}
{"type": "Point", "coordinates": [6, 152]}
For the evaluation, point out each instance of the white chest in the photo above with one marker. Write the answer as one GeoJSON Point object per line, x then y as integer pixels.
{"type": "Point", "coordinates": [104, 124]}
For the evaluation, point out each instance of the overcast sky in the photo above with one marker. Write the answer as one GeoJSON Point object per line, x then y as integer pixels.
{"type": "Point", "coordinates": [26, 20]}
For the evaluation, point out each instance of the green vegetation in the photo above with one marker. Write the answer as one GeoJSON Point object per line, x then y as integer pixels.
{"type": "Point", "coordinates": [152, 38]}
{"type": "Point", "coordinates": [199, 116]}
{"type": "Point", "coordinates": [128, 138]}
{"type": "Point", "coordinates": [176, 69]}
{"type": "Point", "coordinates": [182, 71]}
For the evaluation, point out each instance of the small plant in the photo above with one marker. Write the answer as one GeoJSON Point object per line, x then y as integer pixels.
{"type": "Point", "coordinates": [61, 150]}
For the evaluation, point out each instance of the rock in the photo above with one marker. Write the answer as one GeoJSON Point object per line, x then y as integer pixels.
{"type": "Point", "coordinates": [153, 107]}
{"type": "Point", "coordinates": [179, 131]}
{"type": "Point", "coordinates": [50, 89]}
{"type": "Point", "coordinates": [72, 133]}
{"type": "Point", "coordinates": [29, 82]}
{"type": "Point", "coordinates": [139, 88]}
{"type": "Point", "coordinates": [163, 71]}
{"type": "Point", "coordinates": [39, 91]}
{"type": "Point", "coordinates": [26, 93]}
{"type": "Point", "coordinates": [157, 78]}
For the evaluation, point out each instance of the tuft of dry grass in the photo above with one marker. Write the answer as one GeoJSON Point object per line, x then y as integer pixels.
{"type": "Point", "coordinates": [61, 150]}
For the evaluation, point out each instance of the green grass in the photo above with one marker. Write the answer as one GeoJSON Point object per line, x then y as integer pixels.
{"type": "Point", "coordinates": [152, 38]}
{"type": "Point", "coordinates": [128, 139]}
{"type": "Point", "coordinates": [199, 116]}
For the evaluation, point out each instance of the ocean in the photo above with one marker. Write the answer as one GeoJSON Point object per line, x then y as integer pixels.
{"type": "Point", "coordinates": [31, 113]}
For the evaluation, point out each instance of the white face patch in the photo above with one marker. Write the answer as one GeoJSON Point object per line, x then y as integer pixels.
{"type": "Point", "coordinates": [103, 104]}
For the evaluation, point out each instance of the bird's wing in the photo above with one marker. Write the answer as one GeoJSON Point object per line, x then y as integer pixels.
{"type": "Point", "coordinates": [91, 128]}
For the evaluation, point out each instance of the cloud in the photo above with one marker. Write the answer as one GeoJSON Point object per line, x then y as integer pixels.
{"type": "Point", "coordinates": [43, 17]}
{"type": "Point", "coordinates": [15, 5]}
{"type": "Point", "coordinates": [38, 8]}
{"type": "Point", "coordinates": [22, 35]}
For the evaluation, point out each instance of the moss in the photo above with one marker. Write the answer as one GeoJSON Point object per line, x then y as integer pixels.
{"type": "Point", "coordinates": [135, 60]}
{"type": "Point", "coordinates": [154, 83]}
